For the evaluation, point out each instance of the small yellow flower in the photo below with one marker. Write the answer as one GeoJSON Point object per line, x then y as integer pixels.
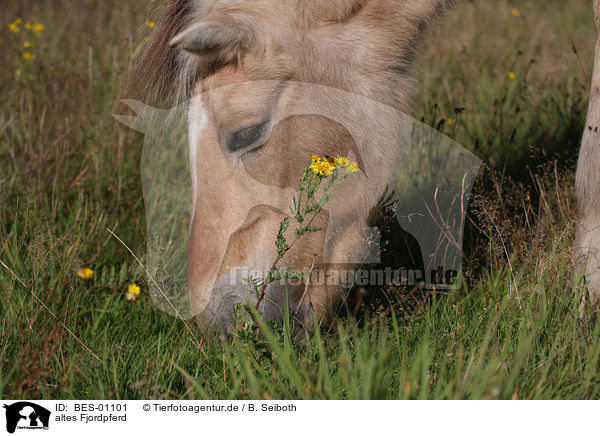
{"type": "Point", "coordinates": [18, 21]}
{"type": "Point", "coordinates": [14, 27]}
{"type": "Point", "coordinates": [512, 75]}
{"type": "Point", "coordinates": [27, 44]}
{"type": "Point", "coordinates": [28, 55]}
{"type": "Point", "coordinates": [341, 162]}
{"type": "Point", "coordinates": [38, 28]}
{"type": "Point", "coordinates": [133, 291]}
{"type": "Point", "coordinates": [353, 168]}
{"type": "Point", "coordinates": [528, 198]}
{"type": "Point", "coordinates": [450, 121]}
{"type": "Point", "coordinates": [18, 73]}
{"type": "Point", "coordinates": [315, 157]}
{"type": "Point", "coordinates": [29, 25]}
{"type": "Point", "coordinates": [85, 273]}
{"type": "Point", "coordinates": [316, 165]}
{"type": "Point", "coordinates": [321, 167]}
{"type": "Point", "coordinates": [515, 12]}
{"type": "Point", "coordinates": [150, 24]}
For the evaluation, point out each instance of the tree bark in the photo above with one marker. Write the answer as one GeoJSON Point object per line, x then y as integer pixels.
{"type": "Point", "coordinates": [587, 241]}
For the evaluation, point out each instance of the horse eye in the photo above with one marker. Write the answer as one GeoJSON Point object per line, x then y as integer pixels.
{"type": "Point", "coordinates": [245, 138]}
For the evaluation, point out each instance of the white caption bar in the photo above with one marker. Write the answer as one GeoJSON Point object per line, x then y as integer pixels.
{"type": "Point", "coordinates": [295, 417]}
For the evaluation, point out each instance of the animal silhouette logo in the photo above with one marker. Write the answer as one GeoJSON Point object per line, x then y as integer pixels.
{"type": "Point", "coordinates": [26, 415]}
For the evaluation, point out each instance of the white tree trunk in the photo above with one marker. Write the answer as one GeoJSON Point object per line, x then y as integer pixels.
{"type": "Point", "coordinates": [587, 242]}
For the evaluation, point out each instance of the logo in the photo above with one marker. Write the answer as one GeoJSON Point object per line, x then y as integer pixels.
{"type": "Point", "coordinates": [26, 415]}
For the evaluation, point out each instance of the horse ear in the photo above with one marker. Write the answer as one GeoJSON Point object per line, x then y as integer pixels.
{"type": "Point", "coordinates": [216, 36]}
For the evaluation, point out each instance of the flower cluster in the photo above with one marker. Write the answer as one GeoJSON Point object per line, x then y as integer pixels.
{"type": "Point", "coordinates": [322, 176]}
{"type": "Point", "coordinates": [15, 26]}
{"type": "Point", "coordinates": [28, 42]}
{"type": "Point", "coordinates": [133, 290]}
{"type": "Point", "coordinates": [36, 28]}
{"type": "Point", "coordinates": [326, 166]}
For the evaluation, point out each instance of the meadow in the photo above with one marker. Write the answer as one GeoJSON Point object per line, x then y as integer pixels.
{"type": "Point", "coordinates": [508, 80]}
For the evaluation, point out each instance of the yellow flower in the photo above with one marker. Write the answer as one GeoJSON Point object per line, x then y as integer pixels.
{"type": "Point", "coordinates": [353, 168]}
{"type": "Point", "coordinates": [134, 289]}
{"type": "Point", "coordinates": [18, 72]}
{"type": "Point", "coordinates": [85, 273]}
{"type": "Point", "coordinates": [512, 75]}
{"type": "Point", "coordinates": [450, 121]}
{"type": "Point", "coordinates": [316, 164]}
{"type": "Point", "coordinates": [528, 198]}
{"type": "Point", "coordinates": [26, 44]}
{"type": "Point", "coordinates": [150, 24]}
{"type": "Point", "coordinates": [39, 28]}
{"type": "Point", "coordinates": [132, 292]}
{"type": "Point", "coordinates": [341, 162]}
{"type": "Point", "coordinates": [321, 167]}
{"type": "Point", "coordinates": [515, 12]}
{"type": "Point", "coordinates": [28, 55]}
{"type": "Point", "coordinates": [14, 27]}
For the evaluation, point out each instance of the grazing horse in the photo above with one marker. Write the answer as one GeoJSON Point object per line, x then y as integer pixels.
{"type": "Point", "coordinates": [366, 47]}
{"type": "Point", "coordinates": [218, 51]}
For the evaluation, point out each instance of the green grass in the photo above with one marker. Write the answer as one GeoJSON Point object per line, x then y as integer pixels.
{"type": "Point", "coordinates": [67, 172]}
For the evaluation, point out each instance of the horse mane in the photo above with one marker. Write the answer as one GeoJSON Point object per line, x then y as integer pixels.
{"type": "Point", "coordinates": [158, 68]}
{"type": "Point", "coordinates": [163, 75]}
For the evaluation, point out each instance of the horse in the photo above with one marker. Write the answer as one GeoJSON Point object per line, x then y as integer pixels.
{"type": "Point", "coordinates": [235, 61]}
